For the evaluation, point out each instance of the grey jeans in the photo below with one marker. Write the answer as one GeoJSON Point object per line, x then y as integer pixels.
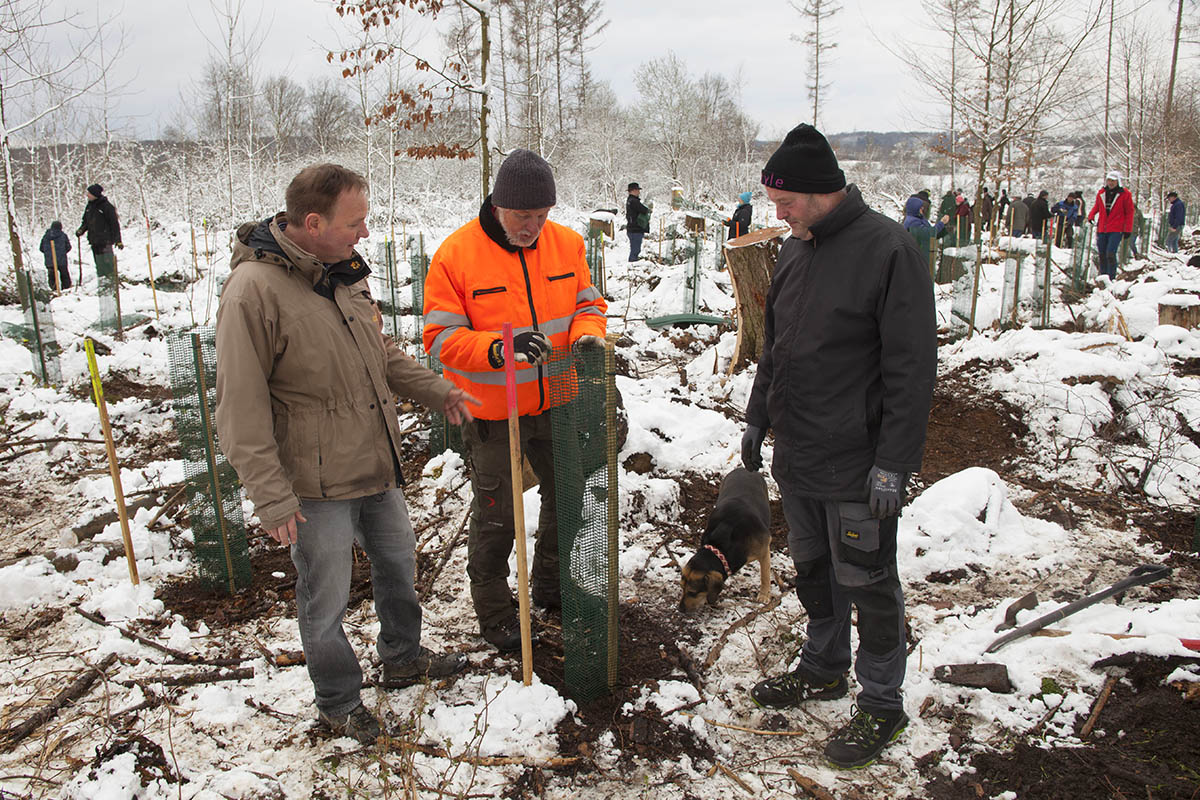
{"type": "Point", "coordinates": [843, 557]}
{"type": "Point", "coordinates": [323, 555]}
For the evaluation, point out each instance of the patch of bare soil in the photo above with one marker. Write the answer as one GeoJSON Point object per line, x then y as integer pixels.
{"type": "Point", "coordinates": [648, 651]}
{"type": "Point", "coordinates": [1144, 745]}
{"type": "Point", "coordinates": [119, 385]}
{"type": "Point", "coordinates": [969, 427]}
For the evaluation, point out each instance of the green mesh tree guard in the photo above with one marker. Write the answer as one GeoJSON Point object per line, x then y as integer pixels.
{"type": "Point", "coordinates": [442, 434]}
{"type": "Point", "coordinates": [213, 492]}
{"type": "Point", "coordinates": [583, 418]}
{"type": "Point", "coordinates": [37, 333]}
{"type": "Point", "coordinates": [1081, 259]}
{"type": "Point", "coordinates": [595, 258]}
{"type": "Point", "coordinates": [108, 293]}
{"type": "Point", "coordinates": [389, 298]}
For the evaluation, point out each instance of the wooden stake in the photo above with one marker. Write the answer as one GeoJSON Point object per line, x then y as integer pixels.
{"type": "Point", "coordinates": [518, 496]}
{"type": "Point", "coordinates": [149, 257]}
{"type": "Point", "coordinates": [54, 260]}
{"type": "Point", "coordinates": [113, 468]}
{"type": "Point", "coordinates": [195, 258]}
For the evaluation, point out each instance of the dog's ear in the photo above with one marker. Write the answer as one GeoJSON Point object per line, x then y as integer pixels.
{"type": "Point", "coordinates": [716, 582]}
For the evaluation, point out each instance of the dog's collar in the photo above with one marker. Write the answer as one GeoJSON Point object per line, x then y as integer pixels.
{"type": "Point", "coordinates": [721, 556]}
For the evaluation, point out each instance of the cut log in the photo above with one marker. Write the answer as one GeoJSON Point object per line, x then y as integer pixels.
{"type": "Point", "coordinates": [1182, 310]}
{"type": "Point", "coordinates": [751, 260]}
{"type": "Point", "coordinates": [75, 690]}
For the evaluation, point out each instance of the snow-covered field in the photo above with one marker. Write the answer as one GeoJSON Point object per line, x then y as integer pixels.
{"type": "Point", "coordinates": [256, 737]}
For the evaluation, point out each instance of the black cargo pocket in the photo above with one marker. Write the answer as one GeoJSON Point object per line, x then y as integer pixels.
{"type": "Point", "coordinates": [858, 535]}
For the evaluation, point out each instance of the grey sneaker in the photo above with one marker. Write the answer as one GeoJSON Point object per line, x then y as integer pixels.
{"type": "Point", "coordinates": [426, 664]}
{"type": "Point", "coordinates": [359, 724]}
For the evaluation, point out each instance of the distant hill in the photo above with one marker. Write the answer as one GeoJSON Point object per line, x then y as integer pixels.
{"type": "Point", "coordinates": [855, 144]}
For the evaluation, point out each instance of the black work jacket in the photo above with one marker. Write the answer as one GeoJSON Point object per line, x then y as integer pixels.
{"type": "Point", "coordinates": [850, 354]}
{"type": "Point", "coordinates": [101, 224]}
{"type": "Point", "coordinates": [633, 209]}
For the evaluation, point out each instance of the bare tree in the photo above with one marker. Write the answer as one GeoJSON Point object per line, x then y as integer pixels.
{"type": "Point", "coordinates": [818, 15]}
{"type": "Point", "coordinates": [329, 112]}
{"type": "Point", "coordinates": [38, 78]}
{"type": "Point", "coordinates": [417, 106]}
{"type": "Point", "coordinates": [284, 100]}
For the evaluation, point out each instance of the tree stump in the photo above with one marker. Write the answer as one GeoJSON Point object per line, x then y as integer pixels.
{"type": "Point", "coordinates": [1182, 310]}
{"type": "Point", "coordinates": [693, 222]}
{"type": "Point", "coordinates": [602, 220]}
{"type": "Point", "coordinates": [751, 260]}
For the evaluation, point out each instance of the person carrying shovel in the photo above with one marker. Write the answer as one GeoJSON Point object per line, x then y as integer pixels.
{"type": "Point", "coordinates": [510, 265]}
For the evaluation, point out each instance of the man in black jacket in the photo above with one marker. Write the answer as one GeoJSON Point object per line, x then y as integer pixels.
{"type": "Point", "coordinates": [845, 381]}
{"type": "Point", "coordinates": [103, 230]}
{"type": "Point", "coordinates": [637, 221]}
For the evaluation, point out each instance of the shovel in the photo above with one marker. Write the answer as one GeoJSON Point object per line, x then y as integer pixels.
{"type": "Point", "coordinates": [1147, 573]}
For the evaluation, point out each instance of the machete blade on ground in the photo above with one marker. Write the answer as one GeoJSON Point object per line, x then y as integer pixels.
{"type": "Point", "coordinates": [1147, 573]}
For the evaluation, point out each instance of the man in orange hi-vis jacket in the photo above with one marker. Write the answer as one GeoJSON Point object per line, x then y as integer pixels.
{"type": "Point", "coordinates": [510, 264]}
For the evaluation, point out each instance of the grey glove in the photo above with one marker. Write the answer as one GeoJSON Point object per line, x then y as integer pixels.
{"type": "Point", "coordinates": [752, 441]}
{"type": "Point", "coordinates": [588, 340]}
{"type": "Point", "coordinates": [886, 492]}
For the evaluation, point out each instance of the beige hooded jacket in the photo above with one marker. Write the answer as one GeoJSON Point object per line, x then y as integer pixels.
{"type": "Point", "coordinates": [305, 383]}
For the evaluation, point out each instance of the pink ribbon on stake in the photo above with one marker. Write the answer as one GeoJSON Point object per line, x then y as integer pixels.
{"type": "Point", "coordinates": [510, 367]}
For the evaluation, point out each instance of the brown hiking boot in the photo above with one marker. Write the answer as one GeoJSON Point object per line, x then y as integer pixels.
{"type": "Point", "coordinates": [358, 723]}
{"type": "Point", "coordinates": [793, 688]}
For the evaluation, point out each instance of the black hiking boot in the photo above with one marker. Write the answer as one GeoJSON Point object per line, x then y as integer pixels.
{"type": "Point", "coordinates": [359, 724]}
{"type": "Point", "coordinates": [860, 741]}
{"type": "Point", "coordinates": [793, 688]}
{"type": "Point", "coordinates": [426, 664]}
{"type": "Point", "coordinates": [505, 635]}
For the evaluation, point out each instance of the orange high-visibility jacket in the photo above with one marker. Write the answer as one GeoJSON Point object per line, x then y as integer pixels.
{"type": "Point", "coordinates": [475, 285]}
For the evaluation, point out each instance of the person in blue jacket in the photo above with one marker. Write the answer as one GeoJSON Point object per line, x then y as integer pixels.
{"type": "Point", "coordinates": [1066, 211]}
{"type": "Point", "coordinates": [915, 210]}
{"type": "Point", "coordinates": [55, 246]}
{"type": "Point", "coordinates": [739, 223]}
{"type": "Point", "coordinates": [1175, 217]}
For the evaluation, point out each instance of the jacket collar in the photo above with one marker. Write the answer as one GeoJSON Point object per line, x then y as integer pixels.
{"type": "Point", "coordinates": [494, 230]}
{"type": "Point", "coordinates": [265, 241]}
{"type": "Point", "coordinates": [851, 208]}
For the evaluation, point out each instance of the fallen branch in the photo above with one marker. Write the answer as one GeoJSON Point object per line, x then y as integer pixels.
{"type": "Point", "coordinates": [193, 678]}
{"type": "Point", "coordinates": [77, 689]}
{"type": "Point", "coordinates": [733, 776]}
{"type": "Point", "coordinates": [715, 652]}
{"type": "Point", "coordinates": [744, 730]}
{"type": "Point", "coordinates": [1094, 717]}
{"type": "Point", "coordinates": [488, 761]}
{"type": "Point", "coordinates": [447, 551]}
{"type": "Point", "coordinates": [55, 440]}
{"type": "Point", "coordinates": [266, 709]}
{"type": "Point", "coordinates": [185, 658]}
{"type": "Point", "coordinates": [171, 502]}
{"type": "Point", "coordinates": [809, 785]}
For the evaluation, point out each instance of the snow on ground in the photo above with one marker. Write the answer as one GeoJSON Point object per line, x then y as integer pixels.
{"type": "Point", "coordinates": [684, 411]}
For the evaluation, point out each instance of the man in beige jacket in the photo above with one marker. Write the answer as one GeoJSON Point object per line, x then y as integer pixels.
{"type": "Point", "coordinates": [305, 414]}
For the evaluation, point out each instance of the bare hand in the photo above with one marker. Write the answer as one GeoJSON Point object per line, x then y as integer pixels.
{"type": "Point", "coordinates": [457, 411]}
{"type": "Point", "coordinates": [286, 533]}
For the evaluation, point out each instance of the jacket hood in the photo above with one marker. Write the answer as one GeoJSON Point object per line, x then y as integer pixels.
{"type": "Point", "coordinates": [264, 242]}
{"type": "Point", "coordinates": [913, 206]}
{"type": "Point", "coordinates": [851, 208]}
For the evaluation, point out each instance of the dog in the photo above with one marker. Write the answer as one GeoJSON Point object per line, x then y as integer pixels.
{"type": "Point", "coordinates": [738, 531]}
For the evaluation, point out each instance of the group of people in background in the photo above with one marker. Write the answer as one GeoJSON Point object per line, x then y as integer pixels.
{"type": "Point", "coordinates": [637, 219]}
{"type": "Point", "coordinates": [1114, 212]}
{"type": "Point", "coordinates": [103, 229]}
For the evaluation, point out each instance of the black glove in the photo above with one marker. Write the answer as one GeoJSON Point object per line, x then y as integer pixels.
{"type": "Point", "coordinates": [120, 246]}
{"type": "Point", "coordinates": [752, 441]}
{"type": "Point", "coordinates": [1124, 235]}
{"type": "Point", "coordinates": [532, 347]}
{"type": "Point", "coordinates": [886, 492]}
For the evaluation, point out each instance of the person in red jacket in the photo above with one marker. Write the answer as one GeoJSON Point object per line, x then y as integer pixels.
{"type": "Point", "coordinates": [1114, 207]}
{"type": "Point", "coordinates": [510, 264]}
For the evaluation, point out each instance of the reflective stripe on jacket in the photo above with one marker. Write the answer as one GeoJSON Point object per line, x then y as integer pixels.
{"type": "Point", "coordinates": [475, 285]}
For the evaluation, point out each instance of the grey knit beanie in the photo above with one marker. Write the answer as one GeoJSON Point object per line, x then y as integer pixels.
{"type": "Point", "coordinates": [524, 181]}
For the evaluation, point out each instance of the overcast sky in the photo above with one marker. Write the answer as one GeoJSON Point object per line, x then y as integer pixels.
{"type": "Point", "coordinates": [166, 47]}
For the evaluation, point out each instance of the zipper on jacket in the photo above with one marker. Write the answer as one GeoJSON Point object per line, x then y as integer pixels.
{"type": "Point", "coordinates": [533, 316]}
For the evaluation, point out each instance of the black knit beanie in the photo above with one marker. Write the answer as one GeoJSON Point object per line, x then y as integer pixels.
{"type": "Point", "coordinates": [804, 163]}
{"type": "Point", "coordinates": [95, 190]}
{"type": "Point", "coordinates": [524, 181]}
